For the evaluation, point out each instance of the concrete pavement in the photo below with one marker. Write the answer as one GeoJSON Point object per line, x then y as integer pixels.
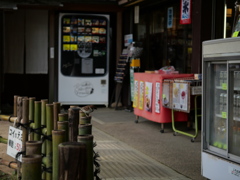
{"type": "Point", "coordinates": [130, 150]}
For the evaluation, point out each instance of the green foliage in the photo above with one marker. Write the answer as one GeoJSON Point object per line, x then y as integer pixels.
{"type": "Point", "coordinates": [5, 176]}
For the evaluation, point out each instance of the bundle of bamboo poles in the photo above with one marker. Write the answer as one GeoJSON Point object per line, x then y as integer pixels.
{"type": "Point", "coordinates": [48, 136]}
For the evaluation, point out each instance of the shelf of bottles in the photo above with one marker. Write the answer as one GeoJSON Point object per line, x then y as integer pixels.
{"type": "Point", "coordinates": [221, 109]}
{"type": "Point", "coordinates": [224, 108]}
{"type": "Point", "coordinates": [235, 108]}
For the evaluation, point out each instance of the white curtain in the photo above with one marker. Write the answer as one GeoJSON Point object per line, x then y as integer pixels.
{"type": "Point", "coordinates": [14, 42]}
{"type": "Point", "coordinates": [27, 28]}
{"type": "Point", "coordinates": [36, 42]}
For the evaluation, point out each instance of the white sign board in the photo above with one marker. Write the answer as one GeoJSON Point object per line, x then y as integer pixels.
{"type": "Point", "coordinates": [14, 142]}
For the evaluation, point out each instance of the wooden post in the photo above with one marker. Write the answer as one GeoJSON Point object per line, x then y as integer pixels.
{"type": "Point", "coordinates": [73, 119]}
{"type": "Point", "coordinates": [73, 162]}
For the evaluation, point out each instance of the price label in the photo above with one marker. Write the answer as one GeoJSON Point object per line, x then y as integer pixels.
{"type": "Point", "coordinates": [224, 115]}
{"type": "Point", "coordinates": [14, 142]}
{"type": "Point", "coordinates": [224, 86]}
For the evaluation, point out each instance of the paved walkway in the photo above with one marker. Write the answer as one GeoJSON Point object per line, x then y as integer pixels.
{"type": "Point", "coordinates": [140, 150]}
{"type": "Point", "coordinates": [120, 161]}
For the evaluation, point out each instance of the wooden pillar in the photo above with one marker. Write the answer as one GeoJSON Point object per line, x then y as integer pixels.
{"type": "Point", "coordinates": [201, 30]}
{"type": "Point", "coordinates": [73, 161]}
{"type": "Point", "coordinates": [73, 120]}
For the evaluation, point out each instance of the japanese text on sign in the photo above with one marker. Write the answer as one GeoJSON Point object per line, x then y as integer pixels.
{"type": "Point", "coordinates": [14, 142]}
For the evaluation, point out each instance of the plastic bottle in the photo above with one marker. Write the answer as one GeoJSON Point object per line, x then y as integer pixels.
{"type": "Point", "coordinates": [224, 137]}
{"type": "Point", "coordinates": [235, 79]}
{"type": "Point", "coordinates": [221, 103]}
{"type": "Point", "coordinates": [224, 76]}
{"type": "Point", "coordinates": [235, 110]}
{"type": "Point", "coordinates": [221, 78]}
{"type": "Point", "coordinates": [225, 102]}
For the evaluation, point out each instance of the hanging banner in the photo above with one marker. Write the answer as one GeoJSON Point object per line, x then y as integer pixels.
{"type": "Point", "coordinates": [185, 16]}
{"type": "Point", "coordinates": [170, 17]}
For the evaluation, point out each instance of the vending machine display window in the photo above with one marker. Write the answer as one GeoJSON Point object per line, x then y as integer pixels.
{"type": "Point", "coordinates": [84, 45]}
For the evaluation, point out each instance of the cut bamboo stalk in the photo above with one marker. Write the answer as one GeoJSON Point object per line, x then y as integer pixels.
{"type": "Point", "coordinates": [58, 137]}
{"type": "Point", "coordinates": [8, 118]}
{"type": "Point", "coordinates": [62, 117]}
{"type": "Point", "coordinates": [33, 147]}
{"type": "Point", "coordinates": [31, 167]}
{"type": "Point", "coordinates": [10, 164]}
{"type": "Point", "coordinates": [49, 118]}
{"type": "Point", "coordinates": [37, 120]}
{"type": "Point", "coordinates": [15, 106]}
{"type": "Point", "coordinates": [88, 140]}
{"type": "Point", "coordinates": [63, 125]}
{"type": "Point", "coordinates": [25, 121]}
{"type": "Point", "coordinates": [85, 120]}
{"type": "Point", "coordinates": [31, 116]}
{"type": "Point", "coordinates": [84, 129]}
{"type": "Point", "coordinates": [3, 140]}
{"type": "Point", "coordinates": [31, 108]}
{"type": "Point", "coordinates": [44, 130]}
{"type": "Point", "coordinates": [19, 110]}
{"type": "Point", "coordinates": [56, 111]}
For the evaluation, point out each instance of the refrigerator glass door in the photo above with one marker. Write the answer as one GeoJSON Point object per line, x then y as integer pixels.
{"type": "Point", "coordinates": [216, 107]}
{"type": "Point", "coordinates": [234, 108]}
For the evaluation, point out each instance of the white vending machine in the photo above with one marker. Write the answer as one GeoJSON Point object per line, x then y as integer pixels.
{"type": "Point", "coordinates": [83, 65]}
{"type": "Point", "coordinates": [221, 109]}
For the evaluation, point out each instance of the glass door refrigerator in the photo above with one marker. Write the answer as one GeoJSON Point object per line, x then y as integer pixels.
{"type": "Point", "coordinates": [83, 74]}
{"type": "Point", "coordinates": [221, 109]}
